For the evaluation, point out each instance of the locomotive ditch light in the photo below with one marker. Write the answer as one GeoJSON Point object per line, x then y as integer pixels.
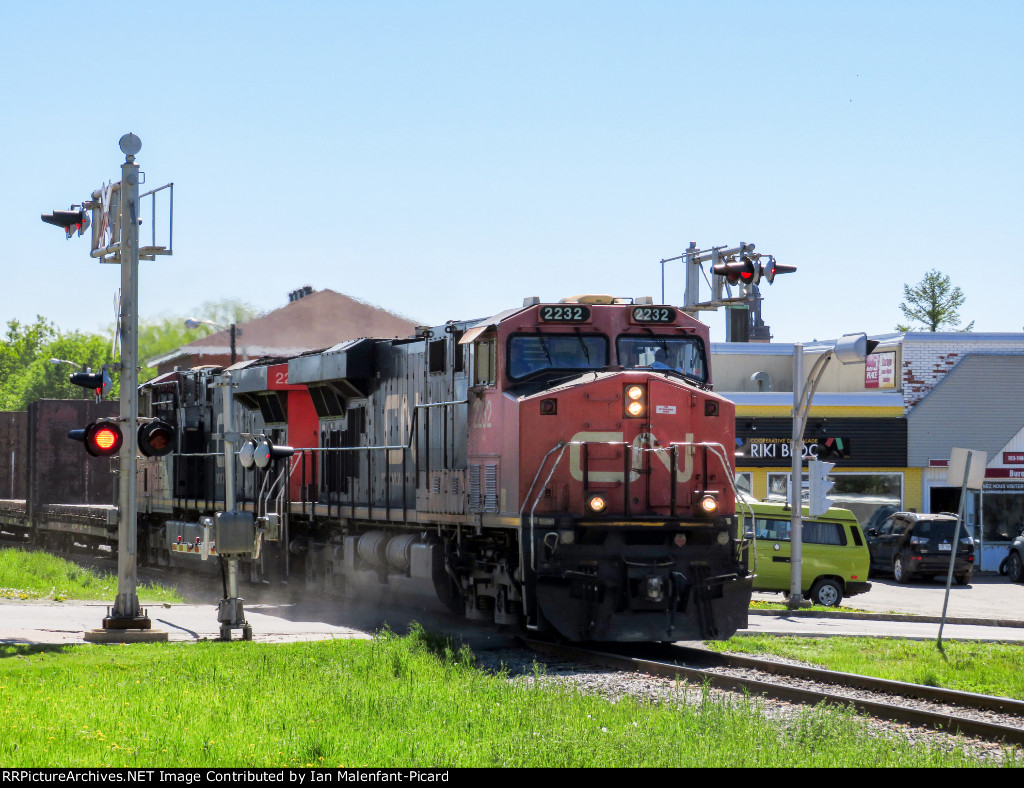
{"type": "Point", "coordinates": [247, 454]}
{"type": "Point", "coordinates": [596, 503]}
{"type": "Point", "coordinates": [636, 401]}
{"type": "Point", "coordinates": [266, 452]}
{"type": "Point", "coordinates": [707, 503]}
{"type": "Point", "coordinates": [101, 438]}
{"type": "Point", "coordinates": [156, 438]}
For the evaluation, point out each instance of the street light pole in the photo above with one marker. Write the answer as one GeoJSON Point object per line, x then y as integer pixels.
{"type": "Point", "coordinates": [849, 349]}
{"type": "Point", "coordinates": [234, 331]}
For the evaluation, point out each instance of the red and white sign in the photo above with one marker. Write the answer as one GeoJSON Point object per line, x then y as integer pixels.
{"type": "Point", "coordinates": [880, 371]}
{"type": "Point", "coordinates": [1013, 458]}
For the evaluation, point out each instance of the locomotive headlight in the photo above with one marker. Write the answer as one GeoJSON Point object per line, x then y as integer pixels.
{"type": "Point", "coordinates": [636, 401]}
{"type": "Point", "coordinates": [597, 504]}
{"type": "Point", "coordinates": [723, 538]}
{"type": "Point", "coordinates": [708, 503]}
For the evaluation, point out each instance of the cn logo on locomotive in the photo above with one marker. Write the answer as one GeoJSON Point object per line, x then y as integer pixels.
{"type": "Point", "coordinates": [643, 441]}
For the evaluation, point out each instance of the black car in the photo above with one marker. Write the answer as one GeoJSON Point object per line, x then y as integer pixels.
{"type": "Point", "coordinates": [909, 544]}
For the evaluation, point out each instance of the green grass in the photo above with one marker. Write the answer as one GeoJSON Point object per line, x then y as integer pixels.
{"type": "Point", "coordinates": [392, 701]}
{"type": "Point", "coordinates": [987, 668]}
{"type": "Point", "coordinates": [38, 575]}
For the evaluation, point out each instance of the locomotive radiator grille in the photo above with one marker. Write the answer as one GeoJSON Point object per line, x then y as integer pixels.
{"type": "Point", "coordinates": [483, 488]}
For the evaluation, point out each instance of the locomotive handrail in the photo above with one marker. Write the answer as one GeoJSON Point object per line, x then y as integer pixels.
{"type": "Point", "coordinates": [404, 448]}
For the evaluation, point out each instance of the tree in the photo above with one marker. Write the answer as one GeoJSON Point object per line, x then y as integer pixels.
{"type": "Point", "coordinates": [27, 372]}
{"type": "Point", "coordinates": [163, 334]}
{"type": "Point", "coordinates": [933, 303]}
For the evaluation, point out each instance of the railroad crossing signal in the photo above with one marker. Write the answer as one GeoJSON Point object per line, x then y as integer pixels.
{"type": "Point", "coordinates": [743, 272]}
{"type": "Point", "coordinates": [71, 220]}
{"type": "Point", "coordinates": [99, 382]}
{"type": "Point", "coordinates": [773, 269]}
{"type": "Point", "coordinates": [156, 438]}
{"type": "Point", "coordinates": [261, 453]}
{"type": "Point", "coordinates": [101, 438]}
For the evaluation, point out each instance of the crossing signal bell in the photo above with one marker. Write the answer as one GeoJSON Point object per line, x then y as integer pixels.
{"type": "Point", "coordinates": [72, 220]}
{"type": "Point", "coordinates": [101, 438]}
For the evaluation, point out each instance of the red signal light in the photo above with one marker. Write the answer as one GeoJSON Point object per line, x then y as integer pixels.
{"type": "Point", "coordinates": [104, 439]}
{"type": "Point", "coordinates": [156, 438]}
{"type": "Point", "coordinates": [101, 439]}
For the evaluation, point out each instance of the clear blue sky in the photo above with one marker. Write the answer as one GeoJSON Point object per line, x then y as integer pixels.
{"type": "Point", "coordinates": [446, 159]}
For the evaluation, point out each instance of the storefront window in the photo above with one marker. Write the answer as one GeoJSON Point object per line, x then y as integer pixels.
{"type": "Point", "coordinates": [870, 496]}
{"type": "Point", "coordinates": [1002, 510]}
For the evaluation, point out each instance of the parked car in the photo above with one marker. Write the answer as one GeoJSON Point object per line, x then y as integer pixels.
{"type": "Point", "coordinates": [1013, 565]}
{"type": "Point", "coordinates": [910, 544]}
{"type": "Point", "coordinates": [834, 554]}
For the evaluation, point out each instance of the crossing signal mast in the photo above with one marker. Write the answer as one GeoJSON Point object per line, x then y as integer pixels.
{"type": "Point", "coordinates": [735, 273]}
{"type": "Point", "coordinates": [114, 214]}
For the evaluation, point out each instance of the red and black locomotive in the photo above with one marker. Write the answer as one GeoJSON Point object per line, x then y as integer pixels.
{"type": "Point", "coordinates": [565, 467]}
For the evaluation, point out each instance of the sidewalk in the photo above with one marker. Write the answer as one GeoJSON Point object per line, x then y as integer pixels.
{"type": "Point", "coordinates": [38, 622]}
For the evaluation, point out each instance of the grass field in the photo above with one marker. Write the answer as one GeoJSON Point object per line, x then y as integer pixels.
{"type": "Point", "coordinates": [971, 666]}
{"type": "Point", "coordinates": [393, 701]}
{"type": "Point", "coordinates": [34, 574]}
{"type": "Point", "coordinates": [410, 701]}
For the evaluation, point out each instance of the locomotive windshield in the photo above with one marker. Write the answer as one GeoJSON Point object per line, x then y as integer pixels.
{"type": "Point", "coordinates": [529, 354]}
{"type": "Point", "coordinates": [680, 354]}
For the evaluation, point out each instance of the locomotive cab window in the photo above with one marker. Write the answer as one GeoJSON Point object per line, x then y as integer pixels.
{"type": "Point", "coordinates": [679, 354]}
{"type": "Point", "coordinates": [530, 354]}
{"type": "Point", "coordinates": [485, 361]}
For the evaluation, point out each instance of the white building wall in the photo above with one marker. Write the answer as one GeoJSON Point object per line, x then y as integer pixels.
{"type": "Point", "coordinates": [928, 357]}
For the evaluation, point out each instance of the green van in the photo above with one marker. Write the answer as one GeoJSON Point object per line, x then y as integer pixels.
{"type": "Point", "coordinates": [834, 552]}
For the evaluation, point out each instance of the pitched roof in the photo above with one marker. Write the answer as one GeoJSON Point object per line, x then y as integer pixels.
{"type": "Point", "coordinates": [317, 320]}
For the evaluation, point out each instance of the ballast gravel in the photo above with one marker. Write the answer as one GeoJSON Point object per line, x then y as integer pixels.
{"type": "Point", "coordinates": [523, 665]}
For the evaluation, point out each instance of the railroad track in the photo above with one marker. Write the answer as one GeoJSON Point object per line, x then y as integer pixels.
{"type": "Point", "coordinates": [951, 711]}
